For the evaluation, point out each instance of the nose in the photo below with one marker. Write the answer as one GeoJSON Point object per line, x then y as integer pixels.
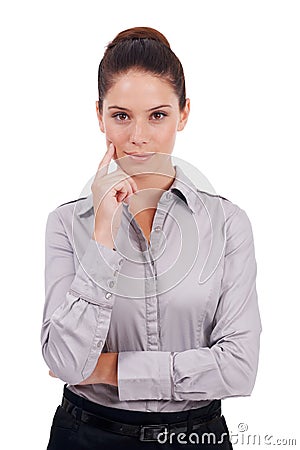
{"type": "Point", "coordinates": [139, 135]}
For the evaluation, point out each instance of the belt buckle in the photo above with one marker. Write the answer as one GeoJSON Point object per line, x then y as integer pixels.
{"type": "Point", "coordinates": [151, 430]}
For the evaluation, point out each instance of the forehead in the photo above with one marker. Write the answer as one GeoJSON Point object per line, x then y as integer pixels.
{"type": "Point", "coordinates": [140, 88]}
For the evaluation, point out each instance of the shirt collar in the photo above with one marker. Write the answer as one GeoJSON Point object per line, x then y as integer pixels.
{"type": "Point", "coordinates": [182, 185]}
{"type": "Point", "coordinates": [185, 186]}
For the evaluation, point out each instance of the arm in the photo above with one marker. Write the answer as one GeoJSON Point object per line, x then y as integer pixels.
{"type": "Point", "coordinates": [228, 366]}
{"type": "Point", "coordinates": [105, 370]}
{"type": "Point", "coordinates": [77, 312]}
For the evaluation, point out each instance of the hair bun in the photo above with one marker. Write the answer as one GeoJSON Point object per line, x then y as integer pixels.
{"type": "Point", "coordinates": [139, 33]}
{"type": "Point", "coordinates": [143, 49]}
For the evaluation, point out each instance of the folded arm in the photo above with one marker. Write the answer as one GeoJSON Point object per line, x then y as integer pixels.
{"type": "Point", "coordinates": [104, 372]}
{"type": "Point", "coordinates": [228, 366]}
{"type": "Point", "coordinates": [77, 307]}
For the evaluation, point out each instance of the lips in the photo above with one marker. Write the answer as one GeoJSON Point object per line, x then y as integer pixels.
{"type": "Point", "coordinates": [140, 156]}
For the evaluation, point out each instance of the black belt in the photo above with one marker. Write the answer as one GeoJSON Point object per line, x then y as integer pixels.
{"type": "Point", "coordinates": [143, 432]}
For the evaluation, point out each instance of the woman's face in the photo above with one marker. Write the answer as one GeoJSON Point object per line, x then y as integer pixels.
{"type": "Point", "coordinates": [141, 116]}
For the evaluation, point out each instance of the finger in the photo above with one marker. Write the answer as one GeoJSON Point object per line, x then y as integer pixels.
{"type": "Point", "coordinates": [52, 374]}
{"type": "Point", "coordinates": [123, 190]}
{"type": "Point", "coordinates": [121, 197]}
{"type": "Point", "coordinates": [128, 178]}
{"type": "Point", "coordinates": [123, 187]}
{"type": "Point", "coordinates": [130, 191]}
{"type": "Point", "coordinates": [104, 163]}
{"type": "Point", "coordinates": [133, 184]}
{"type": "Point", "coordinates": [116, 187]}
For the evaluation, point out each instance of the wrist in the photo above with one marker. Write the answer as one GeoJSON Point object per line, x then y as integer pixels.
{"type": "Point", "coordinates": [103, 237]}
{"type": "Point", "coordinates": [113, 369]}
{"type": "Point", "coordinates": [107, 368]}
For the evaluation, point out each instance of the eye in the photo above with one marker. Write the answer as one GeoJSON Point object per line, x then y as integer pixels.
{"type": "Point", "coordinates": [158, 115]}
{"type": "Point", "coordinates": [121, 116]}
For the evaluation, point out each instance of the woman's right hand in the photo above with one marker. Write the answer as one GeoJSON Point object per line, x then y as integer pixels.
{"type": "Point", "coordinates": [109, 191]}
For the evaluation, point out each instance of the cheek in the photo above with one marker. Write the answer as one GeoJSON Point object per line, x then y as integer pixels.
{"type": "Point", "coordinates": [116, 134]}
{"type": "Point", "coordinates": [167, 134]}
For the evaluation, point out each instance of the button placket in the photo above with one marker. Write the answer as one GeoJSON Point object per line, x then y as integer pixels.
{"type": "Point", "coordinates": [111, 282]}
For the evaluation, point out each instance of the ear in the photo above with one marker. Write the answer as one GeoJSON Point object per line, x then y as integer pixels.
{"type": "Point", "coordinates": [100, 118]}
{"type": "Point", "coordinates": [184, 115]}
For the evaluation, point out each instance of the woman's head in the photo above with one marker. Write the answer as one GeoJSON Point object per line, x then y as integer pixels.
{"type": "Point", "coordinates": [137, 75]}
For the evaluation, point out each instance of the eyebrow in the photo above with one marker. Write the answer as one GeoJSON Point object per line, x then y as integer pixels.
{"type": "Point", "coordinates": [151, 109]}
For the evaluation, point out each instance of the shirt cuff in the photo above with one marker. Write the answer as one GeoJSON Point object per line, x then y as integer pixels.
{"type": "Point", "coordinates": [96, 276]}
{"type": "Point", "coordinates": [144, 375]}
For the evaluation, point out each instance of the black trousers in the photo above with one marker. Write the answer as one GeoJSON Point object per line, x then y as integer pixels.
{"type": "Point", "coordinates": [69, 433]}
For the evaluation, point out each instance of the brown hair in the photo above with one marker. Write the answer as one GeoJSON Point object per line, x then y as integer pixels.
{"type": "Point", "coordinates": [140, 48]}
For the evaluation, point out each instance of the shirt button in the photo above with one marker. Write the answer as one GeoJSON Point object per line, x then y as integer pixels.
{"type": "Point", "coordinates": [108, 295]}
{"type": "Point", "coordinates": [168, 195]}
{"type": "Point", "coordinates": [111, 283]}
{"type": "Point", "coordinates": [121, 262]}
{"type": "Point", "coordinates": [157, 228]}
{"type": "Point", "coordinates": [99, 344]}
{"type": "Point", "coordinates": [115, 272]}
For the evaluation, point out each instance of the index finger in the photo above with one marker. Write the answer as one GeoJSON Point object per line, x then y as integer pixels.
{"type": "Point", "coordinates": [104, 163]}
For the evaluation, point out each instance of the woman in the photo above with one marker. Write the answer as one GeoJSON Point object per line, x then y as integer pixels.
{"type": "Point", "coordinates": [151, 314]}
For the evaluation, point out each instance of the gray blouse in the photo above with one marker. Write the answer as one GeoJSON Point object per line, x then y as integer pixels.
{"type": "Point", "coordinates": [182, 312]}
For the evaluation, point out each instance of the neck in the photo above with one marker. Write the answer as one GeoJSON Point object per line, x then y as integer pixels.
{"type": "Point", "coordinates": [156, 181]}
{"type": "Point", "coordinates": [150, 189]}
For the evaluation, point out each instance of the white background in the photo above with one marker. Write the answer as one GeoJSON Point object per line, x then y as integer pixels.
{"type": "Point", "coordinates": [241, 61]}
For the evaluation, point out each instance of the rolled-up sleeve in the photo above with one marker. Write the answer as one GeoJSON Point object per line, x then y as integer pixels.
{"type": "Point", "coordinates": [78, 303]}
{"type": "Point", "coordinates": [228, 366]}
